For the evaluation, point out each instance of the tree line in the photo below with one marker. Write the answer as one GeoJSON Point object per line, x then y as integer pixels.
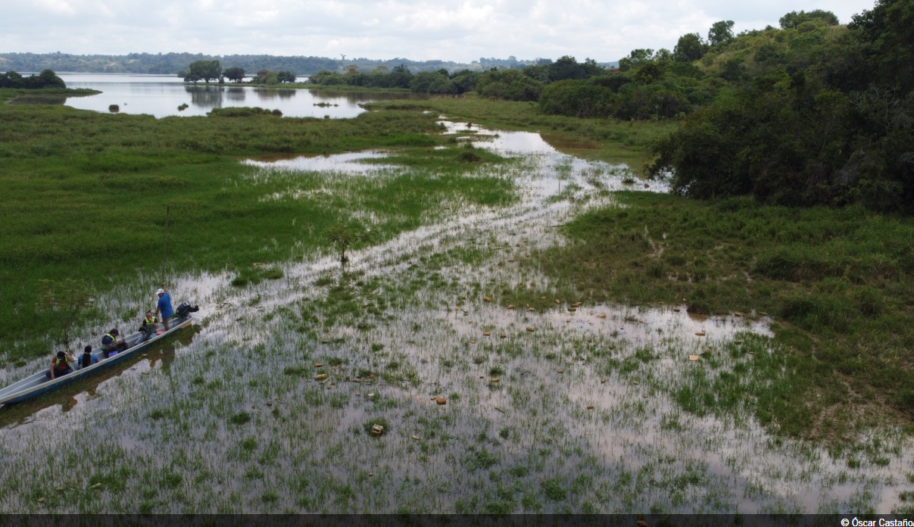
{"type": "Point", "coordinates": [523, 84]}
{"type": "Point", "coordinates": [45, 79]}
{"type": "Point", "coordinates": [171, 63]}
{"type": "Point", "coordinates": [812, 113]}
{"type": "Point", "coordinates": [211, 70]}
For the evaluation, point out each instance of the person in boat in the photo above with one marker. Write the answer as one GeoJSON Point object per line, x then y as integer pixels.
{"type": "Point", "coordinates": [60, 365]}
{"type": "Point", "coordinates": [112, 344]}
{"type": "Point", "coordinates": [164, 308]}
{"type": "Point", "coordinates": [150, 324]}
{"type": "Point", "coordinates": [88, 358]}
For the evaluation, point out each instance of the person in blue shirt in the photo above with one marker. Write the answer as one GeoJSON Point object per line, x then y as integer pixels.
{"type": "Point", "coordinates": [88, 358]}
{"type": "Point", "coordinates": [163, 308]}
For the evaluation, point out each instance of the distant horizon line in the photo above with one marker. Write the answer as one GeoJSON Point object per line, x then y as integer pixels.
{"type": "Point", "coordinates": [342, 58]}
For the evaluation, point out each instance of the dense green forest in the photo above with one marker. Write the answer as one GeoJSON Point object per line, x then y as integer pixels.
{"type": "Point", "coordinates": [524, 84]}
{"type": "Point", "coordinates": [813, 113]}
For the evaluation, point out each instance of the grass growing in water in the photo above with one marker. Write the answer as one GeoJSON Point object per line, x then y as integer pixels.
{"type": "Point", "coordinates": [596, 139]}
{"type": "Point", "coordinates": [837, 282]}
{"type": "Point", "coordinates": [89, 190]}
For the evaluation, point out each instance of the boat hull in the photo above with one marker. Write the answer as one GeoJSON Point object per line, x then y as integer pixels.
{"type": "Point", "coordinates": [38, 384]}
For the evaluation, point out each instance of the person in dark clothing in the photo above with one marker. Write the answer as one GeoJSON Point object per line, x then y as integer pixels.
{"type": "Point", "coordinates": [112, 344]}
{"type": "Point", "coordinates": [60, 366]}
{"type": "Point", "coordinates": [88, 358]}
{"type": "Point", "coordinates": [150, 324]}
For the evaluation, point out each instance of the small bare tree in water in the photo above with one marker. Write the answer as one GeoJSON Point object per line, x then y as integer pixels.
{"type": "Point", "coordinates": [342, 237]}
{"type": "Point", "coordinates": [66, 300]}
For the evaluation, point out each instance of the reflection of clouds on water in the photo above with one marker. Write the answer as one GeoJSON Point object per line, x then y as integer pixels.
{"type": "Point", "coordinates": [162, 96]}
{"type": "Point", "coordinates": [205, 96]}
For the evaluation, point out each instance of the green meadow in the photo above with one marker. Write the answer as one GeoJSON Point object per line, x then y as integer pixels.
{"type": "Point", "coordinates": [85, 196]}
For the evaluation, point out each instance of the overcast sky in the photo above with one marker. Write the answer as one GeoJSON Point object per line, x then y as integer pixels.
{"type": "Point", "coordinates": [460, 30]}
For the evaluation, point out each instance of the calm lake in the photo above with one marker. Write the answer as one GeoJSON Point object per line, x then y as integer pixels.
{"type": "Point", "coordinates": [161, 95]}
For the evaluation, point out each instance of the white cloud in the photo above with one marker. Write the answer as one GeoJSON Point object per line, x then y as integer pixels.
{"type": "Point", "coordinates": [57, 7]}
{"type": "Point", "coordinates": [460, 30]}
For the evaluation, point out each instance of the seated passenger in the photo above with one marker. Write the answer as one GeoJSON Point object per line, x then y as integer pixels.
{"type": "Point", "coordinates": [88, 358]}
{"type": "Point", "coordinates": [149, 326]}
{"type": "Point", "coordinates": [111, 345]}
{"type": "Point", "coordinates": [60, 366]}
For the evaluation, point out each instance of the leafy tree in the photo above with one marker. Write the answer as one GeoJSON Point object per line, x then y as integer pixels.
{"type": "Point", "coordinates": [887, 36]}
{"type": "Point", "coordinates": [508, 84]}
{"type": "Point", "coordinates": [441, 85]}
{"type": "Point", "coordinates": [342, 237]}
{"type": "Point", "coordinates": [537, 73]}
{"type": "Point", "coordinates": [465, 80]}
{"type": "Point", "coordinates": [793, 19]}
{"type": "Point", "coordinates": [234, 74]}
{"type": "Point", "coordinates": [65, 300]}
{"type": "Point", "coordinates": [285, 76]}
{"type": "Point", "coordinates": [636, 58]}
{"type": "Point", "coordinates": [567, 67]}
{"type": "Point", "coordinates": [400, 77]}
{"type": "Point", "coordinates": [689, 48]}
{"type": "Point", "coordinates": [720, 33]}
{"type": "Point", "coordinates": [422, 81]}
{"type": "Point", "coordinates": [205, 70]}
{"type": "Point", "coordinates": [45, 79]}
{"type": "Point", "coordinates": [576, 99]}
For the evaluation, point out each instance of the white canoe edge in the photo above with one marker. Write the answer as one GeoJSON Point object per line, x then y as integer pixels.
{"type": "Point", "coordinates": [37, 384]}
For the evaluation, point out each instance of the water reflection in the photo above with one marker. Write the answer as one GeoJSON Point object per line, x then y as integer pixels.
{"type": "Point", "coordinates": [348, 163]}
{"type": "Point", "coordinates": [70, 395]}
{"type": "Point", "coordinates": [269, 94]}
{"type": "Point", "coordinates": [235, 94]}
{"type": "Point", "coordinates": [205, 96]}
{"type": "Point", "coordinates": [161, 96]}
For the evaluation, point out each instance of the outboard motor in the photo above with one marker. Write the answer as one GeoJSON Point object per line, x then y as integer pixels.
{"type": "Point", "coordinates": [186, 309]}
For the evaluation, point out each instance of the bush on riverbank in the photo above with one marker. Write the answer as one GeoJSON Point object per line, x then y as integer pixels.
{"type": "Point", "coordinates": [45, 79]}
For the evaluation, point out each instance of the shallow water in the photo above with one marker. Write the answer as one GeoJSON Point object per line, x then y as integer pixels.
{"type": "Point", "coordinates": [161, 95]}
{"type": "Point", "coordinates": [417, 333]}
{"type": "Point", "coordinates": [346, 163]}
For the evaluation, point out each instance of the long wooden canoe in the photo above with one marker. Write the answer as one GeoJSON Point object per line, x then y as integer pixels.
{"type": "Point", "coordinates": [37, 384]}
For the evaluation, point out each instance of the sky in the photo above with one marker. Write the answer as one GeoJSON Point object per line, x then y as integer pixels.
{"type": "Point", "coordinates": [458, 30]}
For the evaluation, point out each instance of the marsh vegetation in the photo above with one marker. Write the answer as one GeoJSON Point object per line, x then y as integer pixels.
{"type": "Point", "coordinates": [522, 323]}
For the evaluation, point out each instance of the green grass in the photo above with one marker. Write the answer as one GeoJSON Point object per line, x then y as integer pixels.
{"type": "Point", "coordinates": [595, 139]}
{"type": "Point", "coordinates": [88, 192]}
{"type": "Point", "coordinates": [837, 282]}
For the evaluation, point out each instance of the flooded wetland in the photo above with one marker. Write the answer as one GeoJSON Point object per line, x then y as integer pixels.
{"type": "Point", "coordinates": [413, 380]}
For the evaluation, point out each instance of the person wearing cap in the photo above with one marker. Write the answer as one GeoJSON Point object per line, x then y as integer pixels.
{"type": "Point", "coordinates": [60, 365]}
{"type": "Point", "coordinates": [111, 344]}
{"type": "Point", "coordinates": [163, 308]}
